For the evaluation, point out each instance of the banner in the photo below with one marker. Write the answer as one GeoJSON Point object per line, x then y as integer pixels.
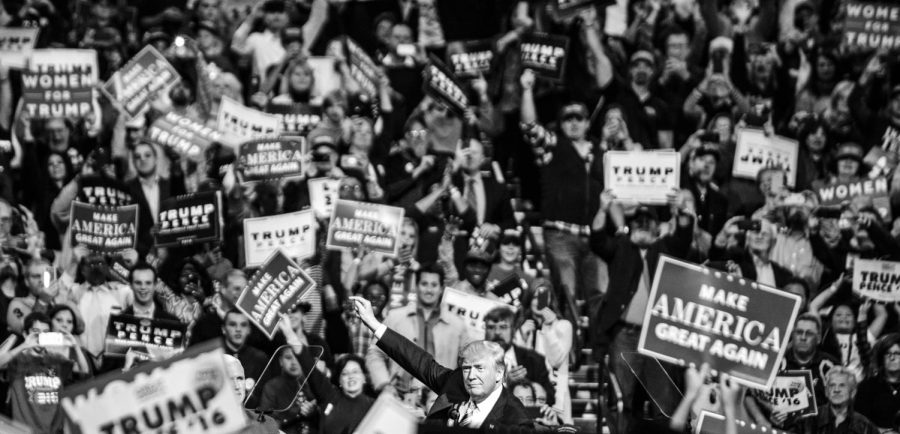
{"type": "Point", "coordinates": [471, 59]}
{"type": "Point", "coordinates": [323, 193]}
{"type": "Point", "coordinates": [104, 229]}
{"type": "Point", "coordinates": [190, 219]}
{"type": "Point", "coordinates": [642, 176]}
{"type": "Point", "coordinates": [791, 393]}
{"type": "Point", "coordinates": [104, 191]}
{"type": "Point", "coordinates": [234, 118]}
{"type": "Point", "coordinates": [354, 224]}
{"type": "Point", "coordinates": [545, 54]}
{"type": "Point", "coordinates": [271, 158]}
{"type": "Point", "coordinates": [755, 151]}
{"type": "Point", "coordinates": [872, 25]}
{"type": "Point", "coordinates": [877, 280]}
{"type": "Point", "coordinates": [363, 69]}
{"type": "Point", "coordinates": [126, 332]}
{"type": "Point", "coordinates": [876, 189]}
{"type": "Point", "coordinates": [388, 415]}
{"type": "Point", "coordinates": [296, 119]}
{"type": "Point", "coordinates": [187, 136]}
{"type": "Point", "coordinates": [16, 45]}
{"type": "Point", "coordinates": [293, 233]}
{"type": "Point", "coordinates": [442, 85]}
{"type": "Point", "coordinates": [190, 393]}
{"type": "Point", "coordinates": [696, 315]}
{"type": "Point", "coordinates": [712, 423]}
{"type": "Point", "coordinates": [133, 85]}
{"type": "Point", "coordinates": [60, 83]}
{"type": "Point", "coordinates": [470, 308]}
{"type": "Point", "coordinates": [273, 291]}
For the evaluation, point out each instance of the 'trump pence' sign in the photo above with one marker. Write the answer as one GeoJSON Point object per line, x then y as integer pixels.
{"type": "Point", "coordinates": [642, 176]}
{"type": "Point", "coordinates": [877, 280]}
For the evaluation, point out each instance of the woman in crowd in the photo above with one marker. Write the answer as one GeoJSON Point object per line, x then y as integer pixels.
{"type": "Point", "coordinates": [342, 405]}
{"type": "Point", "coordinates": [64, 319]}
{"type": "Point", "coordinates": [878, 396]}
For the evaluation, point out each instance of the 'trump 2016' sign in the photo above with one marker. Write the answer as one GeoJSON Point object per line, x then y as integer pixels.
{"type": "Point", "coordinates": [700, 316]}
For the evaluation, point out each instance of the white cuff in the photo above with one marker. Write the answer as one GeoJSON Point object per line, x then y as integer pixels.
{"type": "Point", "coordinates": [379, 332]}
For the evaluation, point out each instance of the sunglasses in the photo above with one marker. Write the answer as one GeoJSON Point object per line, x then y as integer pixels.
{"type": "Point", "coordinates": [573, 117]}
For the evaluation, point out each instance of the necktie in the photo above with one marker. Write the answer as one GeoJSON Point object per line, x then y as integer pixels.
{"type": "Point", "coordinates": [466, 418]}
{"type": "Point", "coordinates": [471, 199]}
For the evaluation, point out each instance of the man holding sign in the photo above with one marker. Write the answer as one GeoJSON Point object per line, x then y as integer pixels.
{"type": "Point", "coordinates": [634, 255]}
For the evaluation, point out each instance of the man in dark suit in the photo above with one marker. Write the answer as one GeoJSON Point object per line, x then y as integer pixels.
{"type": "Point", "coordinates": [753, 261]}
{"type": "Point", "coordinates": [470, 396]}
{"type": "Point", "coordinates": [633, 253]}
{"type": "Point", "coordinates": [149, 190]}
{"type": "Point", "coordinates": [521, 363]}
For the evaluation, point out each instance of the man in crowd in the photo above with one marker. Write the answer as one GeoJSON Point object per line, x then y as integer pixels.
{"type": "Point", "coordinates": [236, 330]}
{"type": "Point", "coordinates": [143, 284]}
{"type": "Point", "coordinates": [521, 363]}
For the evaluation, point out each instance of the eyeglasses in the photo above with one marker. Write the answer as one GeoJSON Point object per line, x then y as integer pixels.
{"type": "Point", "coordinates": [417, 134]}
{"type": "Point", "coordinates": [804, 333]}
{"type": "Point", "coordinates": [893, 355]}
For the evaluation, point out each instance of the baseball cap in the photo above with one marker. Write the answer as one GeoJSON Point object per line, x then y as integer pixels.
{"type": "Point", "coordinates": [643, 55]}
{"type": "Point", "coordinates": [575, 109]}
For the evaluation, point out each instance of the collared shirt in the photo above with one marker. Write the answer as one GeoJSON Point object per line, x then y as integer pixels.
{"type": "Point", "coordinates": [634, 315]}
{"type": "Point", "coordinates": [509, 359]}
{"type": "Point", "coordinates": [482, 410]}
{"type": "Point", "coordinates": [764, 272]}
{"type": "Point", "coordinates": [96, 304]}
{"type": "Point", "coordinates": [794, 252]}
{"type": "Point", "coordinates": [150, 187]}
{"type": "Point", "coordinates": [267, 50]}
{"type": "Point", "coordinates": [145, 312]}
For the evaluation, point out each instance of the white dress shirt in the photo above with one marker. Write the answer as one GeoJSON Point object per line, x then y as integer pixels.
{"type": "Point", "coordinates": [482, 410]}
{"type": "Point", "coordinates": [150, 187]}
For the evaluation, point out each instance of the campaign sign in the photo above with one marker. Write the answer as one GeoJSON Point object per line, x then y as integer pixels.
{"type": "Point", "coordinates": [103, 229]}
{"type": "Point", "coordinates": [16, 45]}
{"type": "Point", "coordinates": [271, 158]}
{"type": "Point", "coordinates": [354, 224]}
{"type": "Point", "coordinates": [470, 308]}
{"type": "Point", "coordinates": [297, 118]}
{"type": "Point", "coordinates": [792, 394]}
{"type": "Point", "coordinates": [273, 291]}
{"type": "Point", "coordinates": [235, 118]}
{"type": "Point", "coordinates": [126, 332]}
{"type": "Point", "coordinates": [388, 415]}
{"type": "Point", "coordinates": [135, 84]}
{"type": "Point", "coordinates": [191, 393]}
{"type": "Point", "coordinates": [60, 83]}
{"type": "Point", "coordinates": [712, 423]}
{"type": "Point", "coordinates": [187, 136]}
{"type": "Point", "coordinates": [876, 189]}
{"type": "Point", "coordinates": [755, 151]}
{"type": "Point", "coordinates": [190, 219]}
{"type": "Point", "coordinates": [104, 191]}
{"type": "Point", "coordinates": [363, 69]}
{"type": "Point", "coordinates": [696, 315]}
{"type": "Point", "coordinates": [642, 176]}
{"type": "Point", "coordinates": [872, 25]}
{"type": "Point", "coordinates": [471, 59]}
{"type": "Point", "coordinates": [441, 84]}
{"type": "Point", "coordinates": [323, 193]}
{"type": "Point", "coordinates": [877, 280]}
{"type": "Point", "coordinates": [294, 233]}
{"type": "Point", "coordinates": [545, 54]}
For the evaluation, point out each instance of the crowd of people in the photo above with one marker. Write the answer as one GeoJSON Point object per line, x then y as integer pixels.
{"type": "Point", "coordinates": [509, 191]}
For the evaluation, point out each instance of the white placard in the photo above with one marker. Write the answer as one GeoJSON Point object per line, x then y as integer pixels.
{"type": "Point", "coordinates": [294, 233]}
{"type": "Point", "coordinates": [246, 122]}
{"type": "Point", "coordinates": [755, 151]}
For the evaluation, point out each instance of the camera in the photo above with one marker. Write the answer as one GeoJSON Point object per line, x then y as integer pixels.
{"type": "Point", "coordinates": [749, 225]}
{"type": "Point", "coordinates": [51, 339]}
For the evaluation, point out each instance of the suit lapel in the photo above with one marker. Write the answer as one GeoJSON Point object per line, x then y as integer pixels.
{"type": "Point", "coordinates": [497, 412]}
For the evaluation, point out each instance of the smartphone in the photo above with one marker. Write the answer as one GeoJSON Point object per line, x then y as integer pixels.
{"type": "Point", "coordinates": [533, 411]}
{"type": "Point", "coordinates": [709, 137]}
{"type": "Point", "coordinates": [51, 339]}
{"type": "Point", "coordinates": [749, 225]}
{"type": "Point", "coordinates": [543, 297]}
{"type": "Point", "coordinates": [407, 50]}
{"type": "Point", "coordinates": [828, 212]}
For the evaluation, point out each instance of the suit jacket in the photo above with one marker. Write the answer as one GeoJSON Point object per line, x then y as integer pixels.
{"type": "Point", "coordinates": [624, 257]}
{"type": "Point", "coordinates": [536, 365]}
{"type": "Point", "coordinates": [158, 313]}
{"type": "Point", "coordinates": [497, 207]}
{"type": "Point", "coordinates": [167, 188]}
{"type": "Point", "coordinates": [448, 383]}
{"type": "Point", "coordinates": [449, 336]}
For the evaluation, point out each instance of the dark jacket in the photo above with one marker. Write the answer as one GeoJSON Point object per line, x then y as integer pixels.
{"type": "Point", "coordinates": [167, 188]}
{"type": "Point", "coordinates": [624, 257]}
{"type": "Point", "coordinates": [748, 270]}
{"type": "Point", "coordinates": [158, 313]}
{"type": "Point", "coordinates": [448, 384]}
